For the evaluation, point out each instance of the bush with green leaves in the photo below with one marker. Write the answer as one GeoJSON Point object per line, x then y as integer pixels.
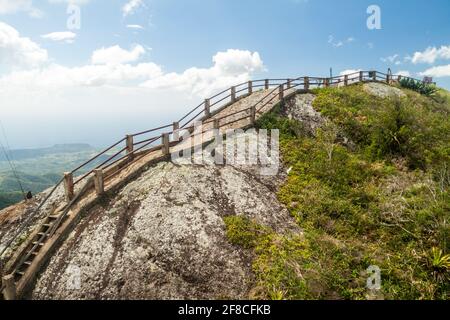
{"type": "Point", "coordinates": [421, 87]}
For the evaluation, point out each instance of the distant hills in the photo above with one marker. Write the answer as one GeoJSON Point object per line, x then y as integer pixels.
{"type": "Point", "coordinates": [39, 169]}
{"type": "Point", "coordinates": [20, 154]}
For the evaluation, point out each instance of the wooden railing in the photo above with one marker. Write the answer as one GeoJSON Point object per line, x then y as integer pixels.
{"type": "Point", "coordinates": [135, 146]}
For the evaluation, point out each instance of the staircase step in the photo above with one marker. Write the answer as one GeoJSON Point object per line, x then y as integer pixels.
{"type": "Point", "coordinates": [27, 263]}
{"type": "Point", "coordinates": [34, 253]}
{"type": "Point", "coordinates": [38, 243]}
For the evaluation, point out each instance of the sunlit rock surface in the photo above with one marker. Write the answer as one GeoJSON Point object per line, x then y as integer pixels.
{"type": "Point", "coordinates": [162, 237]}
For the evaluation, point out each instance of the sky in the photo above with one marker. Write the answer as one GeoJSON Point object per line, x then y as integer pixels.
{"type": "Point", "coordinates": [91, 71]}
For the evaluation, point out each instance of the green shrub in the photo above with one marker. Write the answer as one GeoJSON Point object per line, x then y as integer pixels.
{"type": "Point", "coordinates": [242, 231]}
{"type": "Point", "coordinates": [418, 86]}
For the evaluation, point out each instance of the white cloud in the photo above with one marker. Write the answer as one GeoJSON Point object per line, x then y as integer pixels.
{"type": "Point", "coordinates": [403, 73]}
{"type": "Point", "coordinates": [339, 43]}
{"type": "Point", "coordinates": [126, 97]}
{"type": "Point", "coordinates": [349, 71]}
{"type": "Point", "coordinates": [117, 55]}
{"type": "Point", "coordinates": [17, 50]}
{"type": "Point", "coordinates": [131, 6]}
{"type": "Point", "coordinates": [66, 36]}
{"type": "Point", "coordinates": [437, 72]}
{"type": "Point", "coordinates": [134, 26]}
{"type": "Point", "coordinates": [230, 67]}
{"type": "Point", "coordinates": [14, 6]}
{"type": "Point", "coordinates": [78, 2]}
{"type": "Point", "coordinates": [57, 76]}
{"type": "Point", "coordinates": [431, 54]}
{"type": "Point", "coordinates": [391, 59]}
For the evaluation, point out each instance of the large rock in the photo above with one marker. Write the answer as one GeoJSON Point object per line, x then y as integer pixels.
{"type": "Point", "coordinates": [300, 107]}
{"type": "Point", "coordinates": [383, 90]}
{"type": "Point", "coordinates": [163, 237]}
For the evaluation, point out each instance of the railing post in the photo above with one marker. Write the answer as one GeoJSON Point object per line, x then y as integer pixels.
{"type": "Point", "coordinates": [250, 87]}
{"type": "Point", "coordinates": [253, 115]}
{"type": "Point", "coordinates": [374, 75]}
{"type": "Point", "coordinates": [216, 124]}
{"type": "Point", "coordinates": [130, 144]}
{"type": "Point", "coordinates": [233, 94]}
{"type": "Point", "coordinates": [165, 144]}
{"type": "Point", "coordinates": [10, 291]}
{"type": "Point", "coordinates": [266, 84]}
{"type": "Point", "coordinates": [176, 133]}
{"type": "Point", "coordinates": [207, 108]}
{"type": "Point", "coordinates": [326, 82]}
{"type": "Point", "coordinates": [99, 181]}
{"type": "Point", "coordinates": [289, 85]}
{"type": "Point", "coordinates": [388, 79]}
{"type": "Point", "coordinates": [306, 83]}
{"type": "Point", "coordinates": [68, 185]}
{"type": "Point", "coordinates": [361, 76]}
{"type": "Point", "coordinates": [399, 78]}
{"type": "Point", "coordinates": [281, 92]}
{"type": "Point", "coordinates": [346, 80]}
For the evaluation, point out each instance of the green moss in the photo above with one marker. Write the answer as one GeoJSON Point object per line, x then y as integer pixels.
{"type": "Point", "coordinates": [243, 232]}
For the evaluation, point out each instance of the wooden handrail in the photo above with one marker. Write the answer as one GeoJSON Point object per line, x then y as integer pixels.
{"type": "Point", "coordinates": [287, 83]}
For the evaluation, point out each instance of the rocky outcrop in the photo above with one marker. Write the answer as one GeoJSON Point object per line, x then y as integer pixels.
{"type": "Point", "coordinates": [162, 236]}
{"type": "Point", "coordinates": [383, 90]}
{"type": "Point", "coordinates": [300, 107]}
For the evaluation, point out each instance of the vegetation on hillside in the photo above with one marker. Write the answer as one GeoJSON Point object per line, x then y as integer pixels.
{"type": "Point", "coordinates": [382, 200]}
{"type": "Point", "coordinates": [426, 89]}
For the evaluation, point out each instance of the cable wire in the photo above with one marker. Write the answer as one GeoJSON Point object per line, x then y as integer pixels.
{"type": "Point", "coordinates": [10, 160]}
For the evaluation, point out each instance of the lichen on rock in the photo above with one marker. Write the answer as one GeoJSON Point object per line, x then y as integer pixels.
{"type": "Point", "coordinates": [382, 90]}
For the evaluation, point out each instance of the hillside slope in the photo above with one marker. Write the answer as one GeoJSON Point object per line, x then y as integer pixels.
{"type": "Point", "coordinates": [367, 184]}
{"type": "Point", "coordinates": [370, 188]}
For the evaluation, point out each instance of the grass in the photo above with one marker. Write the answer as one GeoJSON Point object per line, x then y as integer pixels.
{"type": "Point", "coordinates": [384, 202]}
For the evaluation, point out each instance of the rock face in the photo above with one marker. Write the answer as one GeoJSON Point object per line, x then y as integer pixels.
{"type": "Point", "coordinates": [382, 90]}
{"type": "Point", "coordinates": [162, 236]}
{"type": "Point", "coordinates": [300, 107]}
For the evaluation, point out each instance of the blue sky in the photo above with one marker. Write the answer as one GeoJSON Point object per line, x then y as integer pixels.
{"type": "Point", "coordinates": [110, 76]}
